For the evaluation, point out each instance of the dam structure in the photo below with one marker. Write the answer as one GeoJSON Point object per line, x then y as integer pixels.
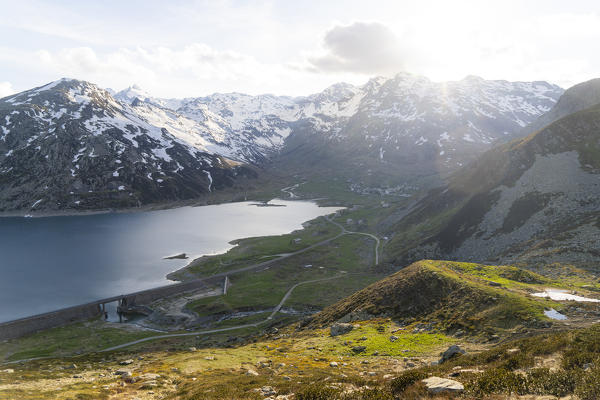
{"type": "Point", "coordinates": [95, 309]}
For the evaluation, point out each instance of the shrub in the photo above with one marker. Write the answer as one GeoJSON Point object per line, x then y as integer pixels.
{"type": "Point", "coordinates": [588, 384]}
{"type": "Point", "coordinates": [516, 361]}
{"type": "Point", "coordinates": [317, 391]}
{"type": "Point", "coordinates": [544, 381]}
{"type": "Point", "coordinates": [498, 380]}
{"type": "Point", "coordinates": [369, 394]}
{"type": "Point", "coordinates": [406, 379]}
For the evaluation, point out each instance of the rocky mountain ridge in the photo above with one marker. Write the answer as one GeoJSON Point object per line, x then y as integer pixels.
{"type": "Point", "coordinates": [116, 150]}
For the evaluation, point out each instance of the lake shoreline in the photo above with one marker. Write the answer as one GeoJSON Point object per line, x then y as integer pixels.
{"type": "Point", "coordinates": [196, 202]}
{"type": "Point", "coordinates": [103, 272]}
{"type": "Point", "coordinates": [145, 208]}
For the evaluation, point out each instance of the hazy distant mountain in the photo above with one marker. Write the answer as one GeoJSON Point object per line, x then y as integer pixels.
{"type": "Point", "coordinates": [532, 200]}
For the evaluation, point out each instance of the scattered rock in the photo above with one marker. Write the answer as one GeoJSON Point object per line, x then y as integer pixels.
{"type": "Point", "coordinates": [148, 384]}
{"type": "Point", "coordinates": [126, 362]}
{"type": "Point", "coordinates": [251, 372]}
{"type": "Point", "coordinates": [372, 373]}
{"type": "Point", "coordinates": [359, 349]}
{"type": "Point", "coordinates": [149, 377]}
{"type": "Point", "coordinates": [126, 375]}
{"type": "Point", "coordinates": [72, 366]}
{"type": "Point", "coordinates": [340, 329]}
{"type": "Point", "coordinates": [181, 256]}
{"type": "Point", "coordinates": [122, 372]}
{"type": "Point", "coordinates": [8, 371]}
{"type": "Point", "coordinates": [458, 372]}
{"type": "Point", "coordinates": [393, 338]}
{"type": "Point", "coordinates": [494, 338]}
{"type": "Point", "coordinates": [192, 349]}
{"type": "Point", "coordinates": [492, 283]}
{"type": "Point", "coordinates": [452, 351]}
{"type": "Point", "coordinates": [333, 364]}
{"type": "Point", "coordinates": [438, 385]}
{"type": "Point", "coordinates": [268, 391]}
{"type": "Point", "coordinates": [209, 358]}
{"type": "Point", "coordinates": [77, 376]}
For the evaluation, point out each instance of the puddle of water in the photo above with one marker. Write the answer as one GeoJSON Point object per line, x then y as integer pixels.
{"type": "Point", "coordinates": [559, 294]}
{"type": "Point", "coordinates": [553, 314]}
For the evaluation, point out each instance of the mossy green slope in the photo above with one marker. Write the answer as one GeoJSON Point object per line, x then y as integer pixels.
{"type": "Point", "coordinates": [453, 296]}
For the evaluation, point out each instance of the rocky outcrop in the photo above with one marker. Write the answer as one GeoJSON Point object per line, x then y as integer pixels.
{"type": "Point", "coordinates": [436, 384]}
{"type": "Point", "coordinates": [340, 329]}
{"type": "Point", "coordinates": [451, 352]}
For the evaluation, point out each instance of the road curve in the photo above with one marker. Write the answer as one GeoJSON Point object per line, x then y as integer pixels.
{"type": "Point", "coordinates": [347, 232]}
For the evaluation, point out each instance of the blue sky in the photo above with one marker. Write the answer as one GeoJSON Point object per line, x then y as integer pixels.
{"type": "Point", "coordinates": [193, 48]}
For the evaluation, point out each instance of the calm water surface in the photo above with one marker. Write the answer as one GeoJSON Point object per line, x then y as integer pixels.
{"type": "Point", "coordinates": [53, 262]}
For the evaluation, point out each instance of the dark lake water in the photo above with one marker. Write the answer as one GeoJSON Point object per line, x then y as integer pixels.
{"type": "Point", "coordinates": [53, 262]}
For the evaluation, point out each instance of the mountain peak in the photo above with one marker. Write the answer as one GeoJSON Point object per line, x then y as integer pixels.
{"type": "Point", "coordinates": [132, 92]}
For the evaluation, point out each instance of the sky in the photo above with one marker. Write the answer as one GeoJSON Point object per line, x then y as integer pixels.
{"type": "Point", "coordinates": [193, 48]}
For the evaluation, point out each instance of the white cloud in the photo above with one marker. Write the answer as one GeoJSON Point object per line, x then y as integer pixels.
{"type": "Point", "coordinates": [192, 70]}
{"type": "Point", "coordinates": [201, 46]}
{"type": "Point", "coordinates": [6, 89]}
{"type": "Point", "coordinates": [362, 47]}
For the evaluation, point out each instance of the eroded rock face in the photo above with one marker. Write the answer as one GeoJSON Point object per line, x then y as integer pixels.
{"type": "Point", "coordinates": [439, 385]}
{"type": "Point", "coordinates": [340, 329]}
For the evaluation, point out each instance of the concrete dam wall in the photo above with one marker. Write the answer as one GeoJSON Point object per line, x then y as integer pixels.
{"type": "Point", "coordinates": [24, 326]}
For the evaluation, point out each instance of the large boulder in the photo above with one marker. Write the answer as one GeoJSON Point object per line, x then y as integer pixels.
{"type": "Point", "coordinates": [340, 329]}
{"type": "Point", "coordinates": [452, 352]}
{"type": "Point", "coordinates": [436, 384]}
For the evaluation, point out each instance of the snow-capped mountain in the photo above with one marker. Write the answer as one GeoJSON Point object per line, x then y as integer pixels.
{"type": "Point", "coordinates": [392, 121]}
{"type": "Point", "coordinates": [72, 144]}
